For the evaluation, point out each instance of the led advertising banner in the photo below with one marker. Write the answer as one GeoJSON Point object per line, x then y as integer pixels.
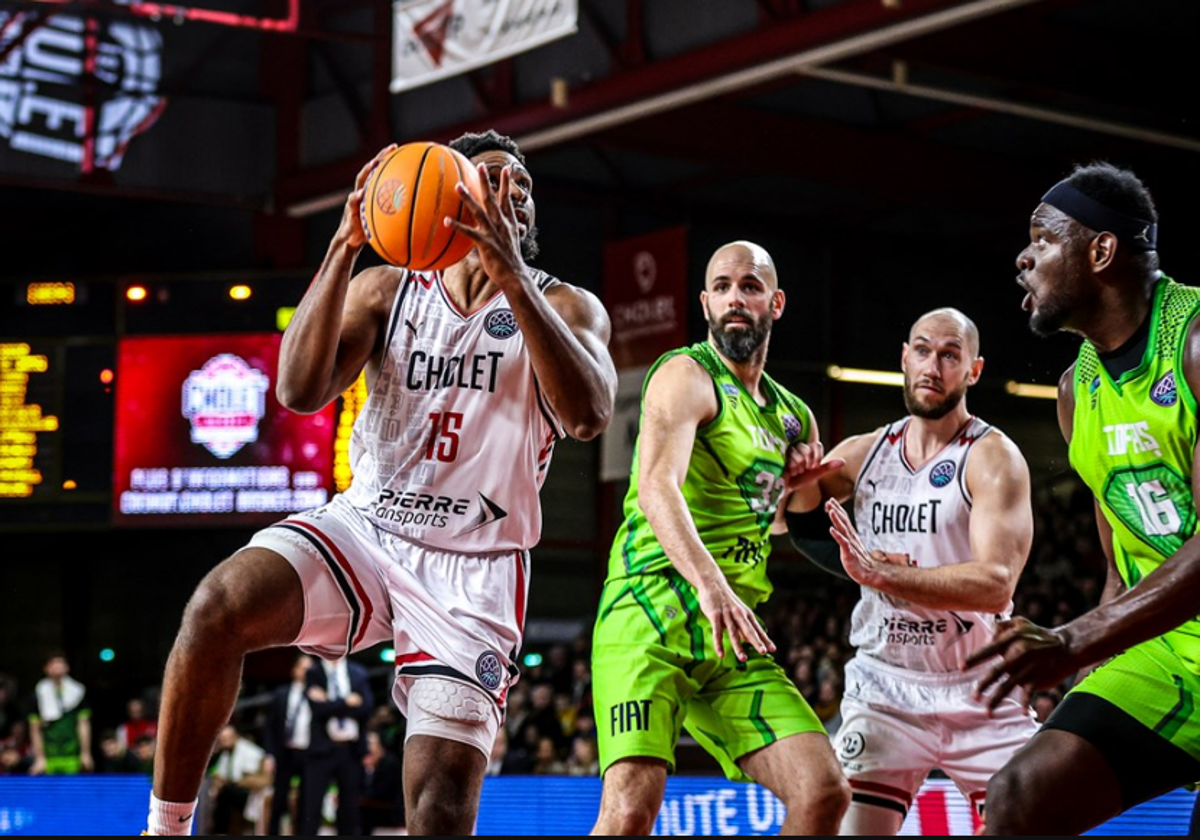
{"type": "Point", "coordinates": [553, 806]}
{"type": "Point", "coordinates": [202, 440]}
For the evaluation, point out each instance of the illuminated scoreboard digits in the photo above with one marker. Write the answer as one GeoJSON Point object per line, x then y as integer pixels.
{"type": "Point", "coordinates": [27, 387]}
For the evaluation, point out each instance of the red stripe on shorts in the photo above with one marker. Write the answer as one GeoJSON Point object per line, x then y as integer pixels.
{"type": "Point", "coordinates": [363, 600]}
{"type": "Point", "coordinates": [520, 592]}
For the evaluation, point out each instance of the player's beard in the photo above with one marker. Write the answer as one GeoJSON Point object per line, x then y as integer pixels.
{"type": "Point", "coordinates": [741, 344]}
{"type": "Point", "coordinates": [920, 405]}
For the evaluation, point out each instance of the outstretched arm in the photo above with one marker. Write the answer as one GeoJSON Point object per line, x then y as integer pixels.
{"type": "Point", "coordinates": [1001, 533]}
{"type": "Point", "coordinates": [566, 329]}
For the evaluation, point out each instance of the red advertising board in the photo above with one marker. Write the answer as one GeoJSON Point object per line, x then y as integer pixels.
{"type": "Point", "coordinates": [202, 440]}
{"type": "Point", "coordinates": [645, 291]}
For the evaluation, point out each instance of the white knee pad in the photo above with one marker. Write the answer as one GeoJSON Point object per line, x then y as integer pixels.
{"type": "Point", "coordinates": [452, 710]}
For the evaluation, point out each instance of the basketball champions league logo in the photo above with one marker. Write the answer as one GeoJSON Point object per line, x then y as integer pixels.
{"type": "Point", "coordinates": [224, 401]}
{"type": "Point", "coordinates": [50, 63]}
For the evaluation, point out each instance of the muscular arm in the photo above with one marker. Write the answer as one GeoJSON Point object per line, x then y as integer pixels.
{"type": "Point", "coordinates": [567, 333]}
{"type": "Point", "coordinates": [679, 401]}
{"type": "Point", "coordinates": [1001, 534]}
{"type": "Point", "coordinates": [339, 323]}
{"type": "Point", "coordinates": [1036, 658]}
{"type": "Point", "coordinates": [1165, 598]}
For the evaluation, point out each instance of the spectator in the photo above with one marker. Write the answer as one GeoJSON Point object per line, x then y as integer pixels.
{"type": "Point", "coordinates": [114, 759]}
{"type": "Point", "coordinates": [136, 725]}
{"type": "Point", "coordinates": [339, 693]}
{"type": "Point", "coordinates": [542, 720]}
{"type": "Point", "coordinates": [547, 762]}
{"type": "Point", "coordinates": [141, 757]}
{"type": "Point", "coordinates": [240, 770]}
{"type": "Point", "coordinates": [12, 762]}
{"type": "Point", "coordinates": [390, 728]}
{"type": "Point", "coordinates": [584, 760]}
{"type": "Point", "coordinates": [1044, 704]}
{"type": "Point", "coordinates": [286, 737]}
{"type": "Point", "coordinates": [382, 804]}
{"type": "Point", "coordinates": [61, 728]}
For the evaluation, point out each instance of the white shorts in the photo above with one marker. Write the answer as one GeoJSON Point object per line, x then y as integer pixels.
{"type": "Point", "coordinates": [897, 725]}
{"type": "Point", "coordinates": [455, 616]}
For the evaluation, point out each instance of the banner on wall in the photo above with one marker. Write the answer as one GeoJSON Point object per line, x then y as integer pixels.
{"type": "Point", "coordinates": [645, 292]}
{"type": "Point", "coordinates": [77, 88]}
{"type": "Point", "coordinates": [437, 39]}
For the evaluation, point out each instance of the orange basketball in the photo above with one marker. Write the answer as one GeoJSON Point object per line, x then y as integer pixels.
{"type": "Point", "coordinates": [407, 198]}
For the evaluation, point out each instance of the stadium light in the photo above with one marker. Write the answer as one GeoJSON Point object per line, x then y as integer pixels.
{"type": "Point", "coordinates": [865, 377]}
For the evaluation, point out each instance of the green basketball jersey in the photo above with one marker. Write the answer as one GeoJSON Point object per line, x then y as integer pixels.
{"type": "Point", "coordinates": [734, 482]}
{"type": "Point", "coordinates": [1133, 444]}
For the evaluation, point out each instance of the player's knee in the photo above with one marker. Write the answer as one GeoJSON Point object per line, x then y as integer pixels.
{"type": "Point", "coordinates": [438, 811]}
{"type": "Point", "coordinates": [1008, 796]}
{"type": "Point", "coordinates": [214, 614]}
{"type": "Point", "coordinates": [826, 798]}
{"type": "Point", "coordinates": [629, 819]}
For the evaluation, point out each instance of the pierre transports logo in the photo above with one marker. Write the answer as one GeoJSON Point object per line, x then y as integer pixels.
{"type": "Point", "coordinates": [225, 401]}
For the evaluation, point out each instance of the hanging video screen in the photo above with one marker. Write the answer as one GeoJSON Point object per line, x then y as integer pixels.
{"type": "Point", "coordinates": [202, 440]}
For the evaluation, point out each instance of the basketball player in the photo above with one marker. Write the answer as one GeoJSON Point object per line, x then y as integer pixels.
{"type": "Point", "coordinates": [944, 527]}
{"type": "Point", "coordinates": [720, 443]}
{"type": "Point", "coordinates": [1127, 408]}
{"type": "Point", "coordinates": [474, 375]}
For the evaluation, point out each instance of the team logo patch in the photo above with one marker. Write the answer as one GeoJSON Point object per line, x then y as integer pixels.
{"type": "Point", "coordinates": [489, 671]}
{"type": "Point", "coordinates": [390, 196]}
{"type": "Point", "coordinates": [1095, 385]}
{"type": "Point", "coordinates": [730, 389]}
{"type": "Point", "coordinates": [854, 744]}
{"type": "Point", "coordinates": [943, 474]}
{"type": "Point", "coordinates": [501, 324]}
{"type": "Point", "coordinates": [792, 427]}
{"type": "Point", "coordinates": [1164, 392]}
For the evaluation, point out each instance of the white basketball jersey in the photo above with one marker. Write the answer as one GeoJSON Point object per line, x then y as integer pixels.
{"type": "Point", "coordinates": [926, 514]}
{"type": "Point", "coordinates": [453, 446]}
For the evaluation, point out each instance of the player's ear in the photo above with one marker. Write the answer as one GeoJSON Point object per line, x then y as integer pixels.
{"type": "Point", "coordinates": [1102, 251]}
{"type": "Point", "coordinates": [778, 304]}
{"type": "Point", "coordinates": [976, 370]}
{"type": "Point", "coordinates": [904, 357]}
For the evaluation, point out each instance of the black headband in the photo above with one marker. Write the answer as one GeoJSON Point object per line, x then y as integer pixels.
{"type": "Point", "coordinates": [1140, 234]}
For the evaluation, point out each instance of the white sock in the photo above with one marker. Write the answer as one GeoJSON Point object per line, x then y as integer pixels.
{"type": "Point", "coordinates": [171, 819]}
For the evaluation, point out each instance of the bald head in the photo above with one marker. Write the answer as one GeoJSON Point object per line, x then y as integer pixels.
{"type": "Point", "coordinates": [947, 323]}
{"type": "Point", "coordinates": [737, 259]}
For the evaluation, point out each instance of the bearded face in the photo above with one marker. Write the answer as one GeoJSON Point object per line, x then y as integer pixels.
{"type": "Point", "coordinates": [738, 335]}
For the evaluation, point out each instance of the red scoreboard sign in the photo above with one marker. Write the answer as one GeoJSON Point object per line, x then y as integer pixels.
{"type": "Point", "coordinates": [202, 439]}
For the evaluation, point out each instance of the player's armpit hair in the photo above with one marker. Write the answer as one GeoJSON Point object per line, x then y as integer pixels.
{"type": "Point", "coordinates": [809, 533]}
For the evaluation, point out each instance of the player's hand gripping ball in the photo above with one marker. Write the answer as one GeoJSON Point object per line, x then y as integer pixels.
{"type": "Point", "coordinates": [405, 203]}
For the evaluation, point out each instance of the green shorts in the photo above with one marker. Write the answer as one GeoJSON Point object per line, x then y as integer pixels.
{"type": "Point", "coordinates": [66, 766]}
{"type": "Point", "coordinates": [654, 671]}
{"type": "Point", "coordinates": [1154, 686]}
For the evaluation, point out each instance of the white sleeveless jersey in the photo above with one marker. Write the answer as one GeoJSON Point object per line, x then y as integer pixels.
{"type": "Point", "coordinates": [453, 445]}
{"type": "Point", "coordinates": [925, 514]}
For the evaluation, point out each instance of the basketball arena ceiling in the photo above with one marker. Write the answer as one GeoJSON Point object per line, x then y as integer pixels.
{"type": "Point", "coordinates": [876, 115]}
